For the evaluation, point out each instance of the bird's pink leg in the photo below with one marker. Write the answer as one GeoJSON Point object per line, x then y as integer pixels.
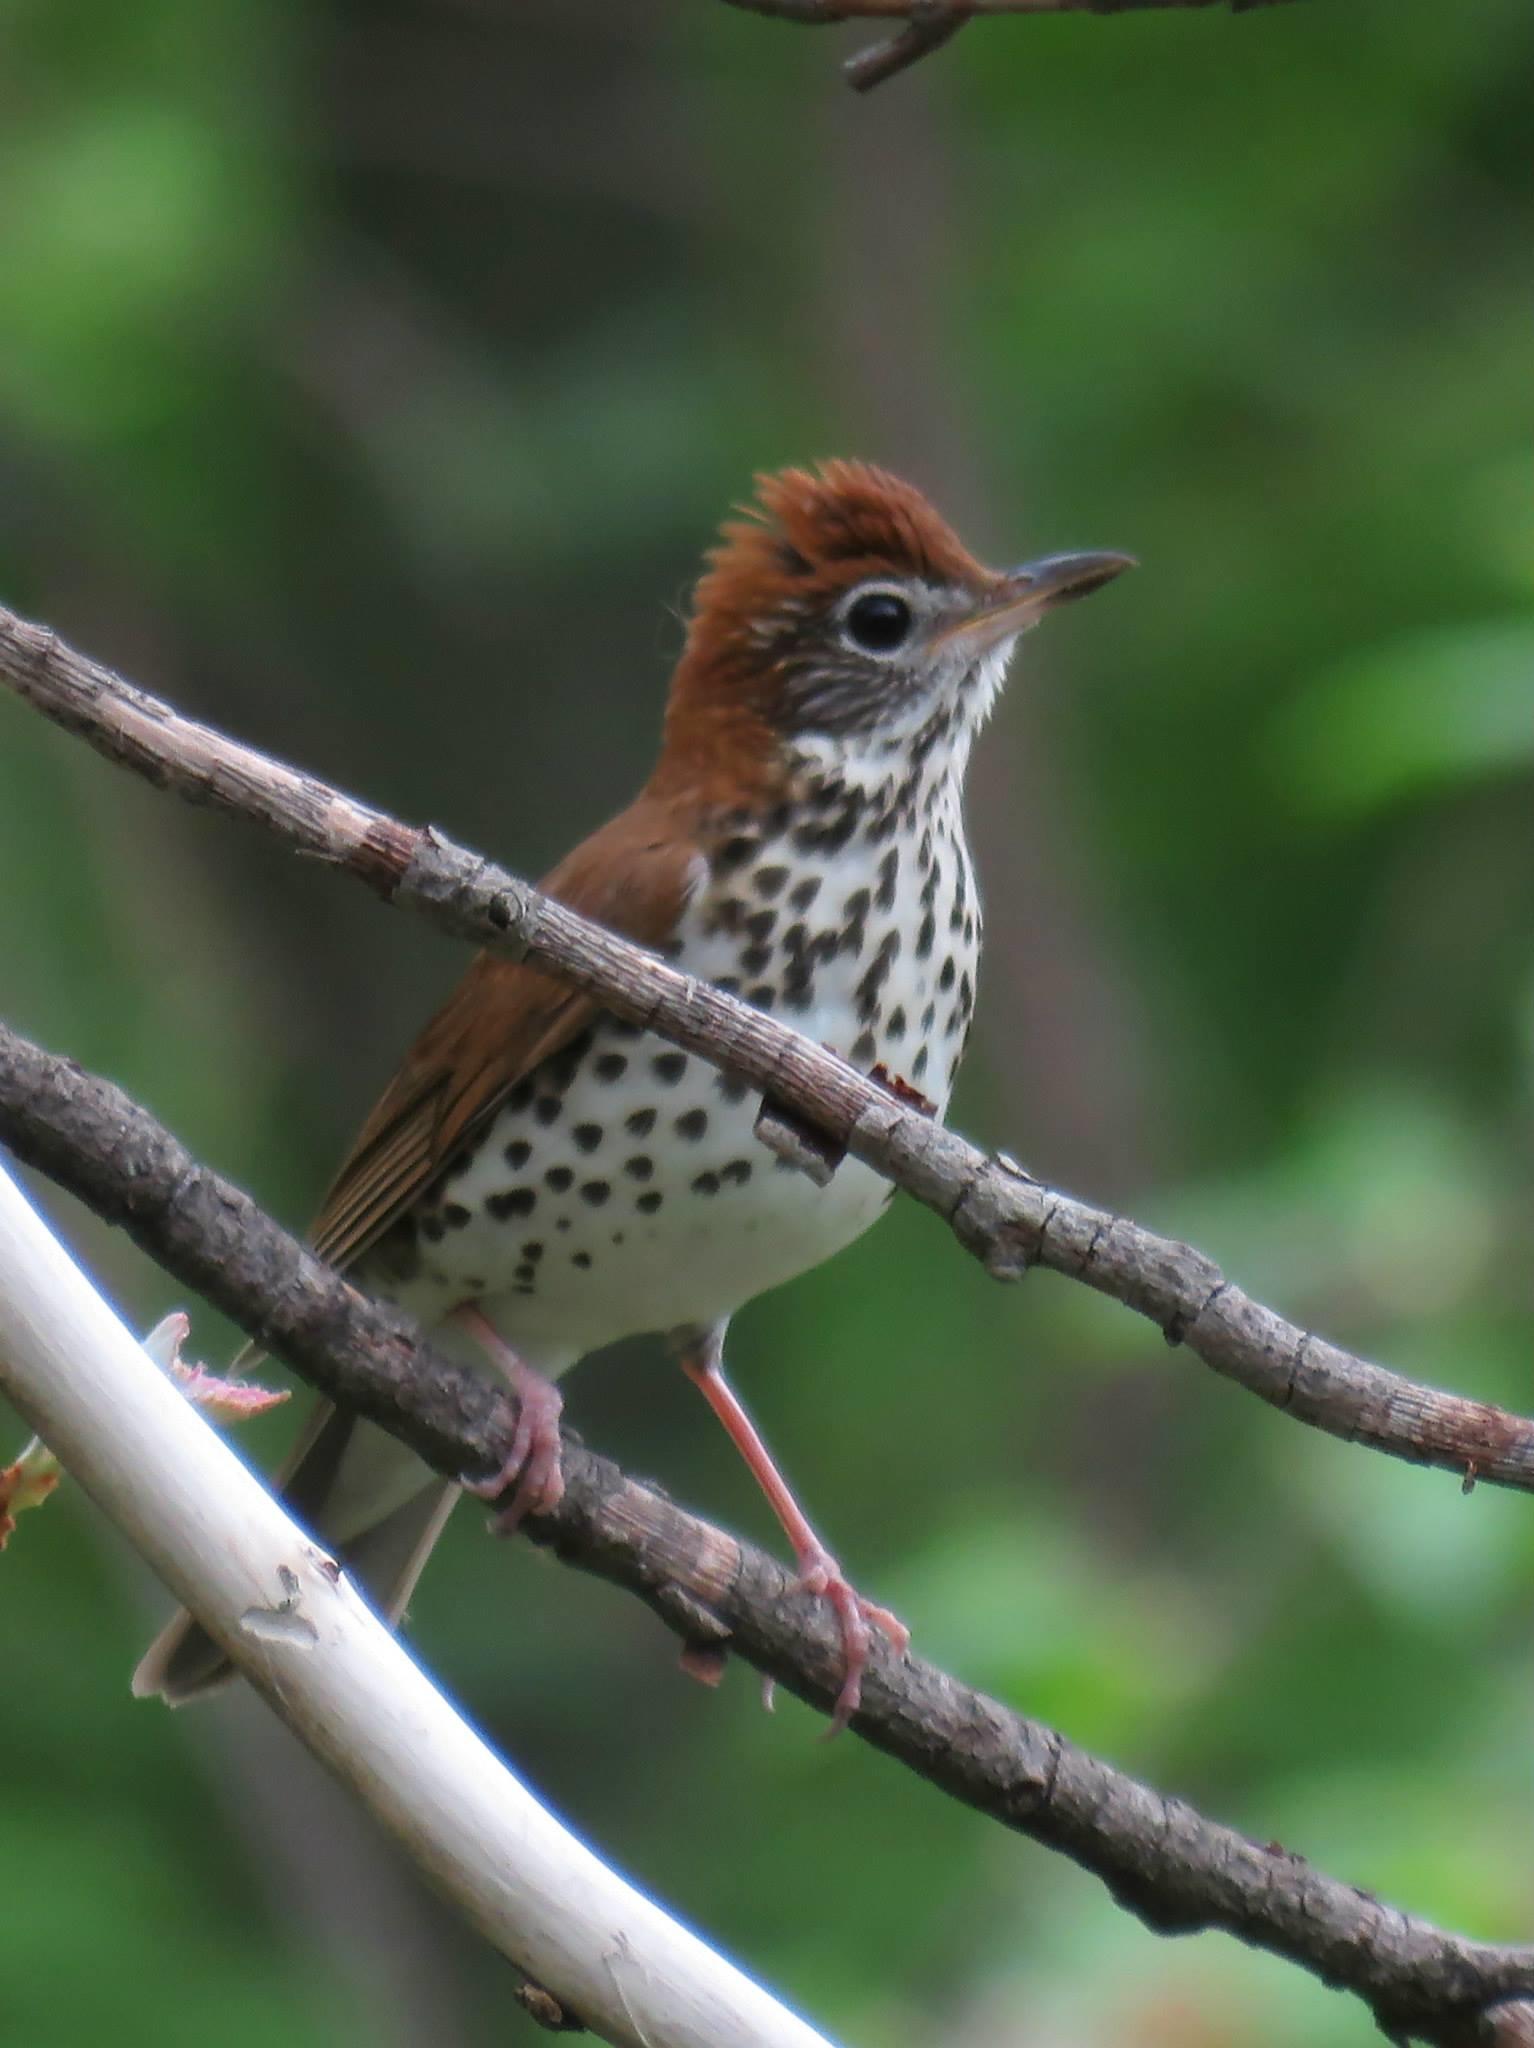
{"type": "Point", "coordinates": [533, 1460]}
{"type": "Point", "coordinates": [819, 1572]}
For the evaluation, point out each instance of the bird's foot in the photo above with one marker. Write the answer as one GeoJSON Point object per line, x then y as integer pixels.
{"type": "Point", "coordinates": [532, 1464]}
{"type": "Point", "coordinates": [819, 1573]}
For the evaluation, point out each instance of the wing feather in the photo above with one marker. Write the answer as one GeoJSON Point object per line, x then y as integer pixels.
{"type": "Point", "coordinates": [499, 1025]}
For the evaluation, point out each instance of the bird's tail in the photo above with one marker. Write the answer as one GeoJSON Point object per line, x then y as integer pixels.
{"type": "Point", "coordinates": [372, 1502]}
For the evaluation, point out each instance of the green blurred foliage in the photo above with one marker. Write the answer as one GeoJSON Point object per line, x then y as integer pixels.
{"type": "Point", "coordinates": [371, 378]}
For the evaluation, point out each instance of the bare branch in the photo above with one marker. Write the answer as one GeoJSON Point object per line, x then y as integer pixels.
{"type": "Point", "coordinates": [1176, 1870]}
{"type": "Point", "coordinates": [999, 1212]}
{"type": "Point", "coordinates": [330, 1668]}
{"type": "Point", "coordinates": [931, 23]}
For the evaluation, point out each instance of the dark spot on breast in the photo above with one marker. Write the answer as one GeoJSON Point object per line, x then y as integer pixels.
{"type": "Point", "coordinates": [760, 923]}
{"type": "Point", "coordinates": [738, 1172]}
{"type": "Point", "coordinates": [798, 989]}
{"type": "Point", "coordinates": [732, 1087]}
{"type": "Point", "coordinates": [669, 1067]}
{"type": "Point", "coordinates": [768, 881]}
{"type": "Point", "coordinates": [525, 1272]}
{"type": "Point", "coordinates": [831, 837]}
{"type": "Point", "coordinates": [432, 1229]}
{"type": "Point", "coordinates": [926, 936]}
{"type": "Point", "coordinates": [454, 1215]}
{"type": "Point", "coordinates": [878, 972]}
{"type": "Point", "coordinates": [755, 958]}
{"type": "Point", "coordinates": [520, 1097]}
{"type": "Point", "coordinates": [929, 1017]}
{"type": "Point", "coordinates": [734, 853]}
{"type": "Point", "coordinates": [512, 1202]}
{"type": "Point", "coordinates": [587, 1136]}
{"type": "Point", "coordinates": [547, 1108]}
{"type": "Point", "coordinates": [560, 1071]}
{"type": "Point", "coordinates": [595, 1192]}
{"type": "Point", "coordinates": [581, 1259]}
{"type": "Point", "coordinates": [895, 1022]}
{"type": "Point", "coordinates": [649, 1203]}
{"type": "Point", "coordinates": [864, 1046]}
{"type": "Point", "coordinates": [728, 984]}
{"type": "Point", "coordinates": [640, 1167]}
{"type": "Point", "coordinates": [919, 1063]}
{"type": "Point", "coordinates": [532, 1251]}
{"type": "Point", "coordinates": [803, 894]}
{"type": "Point", "coordinates": [518, 1152]}
{"type": "Point", "coordinates": [856, 907]}
{"type": "Point", "coordinates": [640, 1123]}
{"type": "Point", "coordinates": [705, 1184]}
{"type": "Point", "coordinates": [558, 1178]}
{"type": "Point", "coordinates": [611, 1066]}
{"type": "Point", "coordinates": [692, 1123]}
{"type": "Point", "coordinates": [889, 874]}
{"type": "Point", "coordinates": [763, 996]}
{"type": "Point", "coordinates": [946, 977]}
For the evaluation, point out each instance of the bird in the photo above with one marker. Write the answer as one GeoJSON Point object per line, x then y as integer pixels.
{"type": "Point", "coordinates": [543, 1177]}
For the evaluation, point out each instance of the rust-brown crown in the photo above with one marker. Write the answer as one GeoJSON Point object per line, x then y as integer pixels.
{"type": "Point", "coordinates": [814, 533]}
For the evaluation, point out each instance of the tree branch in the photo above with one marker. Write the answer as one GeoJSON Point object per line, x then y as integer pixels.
{"type": "Point", "coordinates": [1008, 1220]}
{"type": "Point", "coordinates": [931, 23]}
{"type": "Point", "coordinates": [300, 1633]}
{"type": "Point", "coordinates": [1176, 1870]}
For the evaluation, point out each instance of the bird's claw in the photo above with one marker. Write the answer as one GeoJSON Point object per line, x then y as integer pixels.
{"type": "Point", "coordinates": [533, 1465]}
{"type": "Point", "coordinates": [820, 1574]}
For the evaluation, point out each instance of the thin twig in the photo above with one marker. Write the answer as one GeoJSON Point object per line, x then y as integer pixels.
{"type": "Point", "coordinates": [931, 23]}
{"type": "Point", "coordinates": [1008, 1220]}
{"type": "Point", "coordinates": [1175, 1869]}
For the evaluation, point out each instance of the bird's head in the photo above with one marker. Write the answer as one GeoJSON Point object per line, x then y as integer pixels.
{"type": "Point", "coordinates": [841, 613]}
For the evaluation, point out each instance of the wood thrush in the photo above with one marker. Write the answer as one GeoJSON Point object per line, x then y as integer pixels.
{"type": "Point", "coordinates": [540, 1177]}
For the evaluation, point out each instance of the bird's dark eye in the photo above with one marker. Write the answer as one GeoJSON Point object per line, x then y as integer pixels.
{"type": "Point", "coordinates": [879, 621]}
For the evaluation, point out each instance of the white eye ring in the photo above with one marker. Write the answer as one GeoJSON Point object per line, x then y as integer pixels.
{"type": "Point", "coordinates": [878, 620]}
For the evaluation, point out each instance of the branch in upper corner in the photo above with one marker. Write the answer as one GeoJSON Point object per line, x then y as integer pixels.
{"type": "Point", "coordinates": [929, 27]}
{"type": "Point", "coordinates": [1175, 1869]}
{"type": "Point", "coordinates": [931, 23]}
{"type": "Point", "coordinates": [1008, 1220]}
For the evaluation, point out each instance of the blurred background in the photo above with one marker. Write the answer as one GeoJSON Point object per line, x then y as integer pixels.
{"type": "Point", "coordinates": [372, 377]}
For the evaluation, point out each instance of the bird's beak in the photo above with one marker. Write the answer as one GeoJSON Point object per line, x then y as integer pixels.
{"type": "Point", "coordinates": [1021, 597]}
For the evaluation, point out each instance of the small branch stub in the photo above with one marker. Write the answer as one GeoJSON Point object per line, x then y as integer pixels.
{"type": "Point", "coordinates": [929, 24]}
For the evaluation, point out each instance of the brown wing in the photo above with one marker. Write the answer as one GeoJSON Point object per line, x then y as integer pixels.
{"type": "Point", "coordinates": [501, 1021]}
